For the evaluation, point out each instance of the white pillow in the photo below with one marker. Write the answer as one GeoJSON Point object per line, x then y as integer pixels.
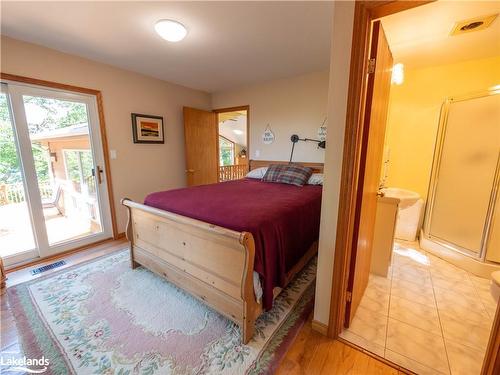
{"type": "Point", "coordinates": [315, 179]}
{"type": "Point", "coordinates": [257, 173]}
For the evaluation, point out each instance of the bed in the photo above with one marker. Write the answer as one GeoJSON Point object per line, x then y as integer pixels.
{"type": "Point", "coordinates": [209, 240]}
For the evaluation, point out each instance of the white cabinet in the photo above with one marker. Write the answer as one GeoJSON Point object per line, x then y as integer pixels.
{"type": "Point", "coordinates": [383, 237]}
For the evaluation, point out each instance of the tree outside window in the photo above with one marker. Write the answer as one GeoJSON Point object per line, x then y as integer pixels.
{"type": "Point", "coordinates": [226, 151]}
{"type": "Point", "coordinates": [79, 167]}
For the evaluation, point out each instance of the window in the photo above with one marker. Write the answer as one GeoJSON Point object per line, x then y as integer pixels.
{"type": "Point", "coordinates": [79, 166]}
{"type": "Point", "coordinates": [226, 151]}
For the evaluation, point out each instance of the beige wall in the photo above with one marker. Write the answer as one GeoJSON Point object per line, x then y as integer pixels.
{"type": "Point", "coordinates": [414, 116]}
{"type": "Point", "coordinates": [139, 168]}
{"type": "Point", "coordinates": [343, 15]}
{"type": "Point", "coordinates": [293, 105]}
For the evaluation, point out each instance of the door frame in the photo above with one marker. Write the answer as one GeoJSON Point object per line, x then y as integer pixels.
{"type": "Point", "coordinates": [364, 13]}
{"type": "Point", "coordinates": [232, 109]}
{"type": "Point", "coordinates": [102, 130]}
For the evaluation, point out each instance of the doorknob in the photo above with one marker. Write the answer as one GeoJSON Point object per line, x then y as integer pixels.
{"type": "Point", "coordinates": [189, 170]}
{"type": "Point", "coordinates": [98, 174]}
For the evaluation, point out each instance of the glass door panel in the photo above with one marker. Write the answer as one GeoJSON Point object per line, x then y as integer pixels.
{"type": "Point", "coordinates": [16, 233]}
{"type": "Point", "coordinates": [51, 141]}
{"type": "Point", "coordinates": [62, 151]}
{"type": "Point", "coordinates": [466, 172]}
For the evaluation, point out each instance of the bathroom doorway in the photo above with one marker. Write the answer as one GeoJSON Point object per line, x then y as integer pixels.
{"type": "Point", "coordinates": [413, 306]}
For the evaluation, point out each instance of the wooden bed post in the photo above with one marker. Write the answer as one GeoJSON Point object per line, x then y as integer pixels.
{"type": "Point", "coordinates": [129, 232]}
{"type": "Point", "coordinates": [251, 308]}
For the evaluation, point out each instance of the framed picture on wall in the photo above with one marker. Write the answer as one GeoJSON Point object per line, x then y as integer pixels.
{"type": "Point", "coordinates": [147, 128]}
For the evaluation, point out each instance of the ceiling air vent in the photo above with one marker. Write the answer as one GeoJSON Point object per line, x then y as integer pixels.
{"type": "Point", "coordinates": [473, 24]}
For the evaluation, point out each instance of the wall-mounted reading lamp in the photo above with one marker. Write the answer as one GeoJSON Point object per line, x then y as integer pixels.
{"type": "Point", "coordinates": [295, 138]}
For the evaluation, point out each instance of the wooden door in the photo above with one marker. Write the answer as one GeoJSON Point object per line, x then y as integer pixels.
{"type": "Point", "coordinates": [200, 137]}
{"type": "Point", "coordinates": [374, 121]}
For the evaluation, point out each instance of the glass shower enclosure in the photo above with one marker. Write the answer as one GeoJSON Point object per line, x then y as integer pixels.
{"type": "Point", "coordinates": [462, 212]}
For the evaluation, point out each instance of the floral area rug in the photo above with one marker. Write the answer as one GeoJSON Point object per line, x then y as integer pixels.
{"type": "Point", "coordinates": [102, 317]}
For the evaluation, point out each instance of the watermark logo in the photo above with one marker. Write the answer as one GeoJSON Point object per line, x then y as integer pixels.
{"type": "Point", "coordinates": [25, 364]}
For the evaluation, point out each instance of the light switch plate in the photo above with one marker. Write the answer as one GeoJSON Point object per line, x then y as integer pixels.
{"type": "Point", "coordinates": [112, 154]}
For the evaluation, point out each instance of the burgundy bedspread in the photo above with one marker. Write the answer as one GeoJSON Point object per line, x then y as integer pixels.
{"type": "Point", "coordinates": [283, 219]}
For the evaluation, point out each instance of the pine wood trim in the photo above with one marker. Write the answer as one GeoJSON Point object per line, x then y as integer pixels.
{"type": "Point", "coordinates": [491, 364]}
{"type": "Point", "coordinates": [350, 168]}
{"type": "Point", "coordinates": [364, 13]}
{"type": "Point", "coordinates": [319, 327]}
{"type": "Point", "coordinates": [102, 126]}
{"type": "Point", "coordinates": [51, 84]}
{"type": "Point", "coordinates": [232, 109]}
{"type": "Point", "coordinates": [120, 235]}
{"type": "Point", "coordinates": [238, 108]}
{"type": "Point", "coordinates": [3, 275]}
{"type": "Point", "coordinates": [253, 164]}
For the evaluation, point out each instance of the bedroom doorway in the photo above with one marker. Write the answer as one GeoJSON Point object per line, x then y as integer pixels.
{"type": "Point", "coordinates": [233, 139]}
{"type": "Point", "coordinates": [53, 190]}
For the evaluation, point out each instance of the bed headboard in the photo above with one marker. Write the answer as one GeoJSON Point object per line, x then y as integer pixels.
{"type": "Point", "coordinates": [316, 167]}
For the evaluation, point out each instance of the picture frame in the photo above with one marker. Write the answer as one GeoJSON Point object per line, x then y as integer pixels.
{"type": "Point", "coordinates": [147, 128]}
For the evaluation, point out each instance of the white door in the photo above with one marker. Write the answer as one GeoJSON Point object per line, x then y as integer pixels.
{"type": "Point", "coordinates": [59, 196]}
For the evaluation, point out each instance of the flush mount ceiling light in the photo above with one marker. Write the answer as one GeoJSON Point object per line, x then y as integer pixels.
{"type": "Point", "coordinates": [238, 131]}
{"type": "Point", "coordinates": [171, 30]}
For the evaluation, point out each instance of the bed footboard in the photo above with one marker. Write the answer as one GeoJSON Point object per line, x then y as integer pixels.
{"type": "Point", "coordinates": [212, 263]}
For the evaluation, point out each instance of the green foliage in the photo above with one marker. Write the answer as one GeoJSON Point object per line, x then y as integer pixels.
{"type": "Point", "coordinates": [42, 114]}
{"type": "Point", "coordinates": [41, 158]}
{"type": "Point", "coordinates": [48, 114]}
{"type": "Point", "coordinates": [226, 151]}
{"type": "Point", "coordinates": [9, 162]}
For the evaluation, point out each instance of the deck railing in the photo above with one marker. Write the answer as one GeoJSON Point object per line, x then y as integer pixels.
{"type": "Point", "coordinates": [232, 172]}
{"type": "Point", "coordinates": [14, 193]}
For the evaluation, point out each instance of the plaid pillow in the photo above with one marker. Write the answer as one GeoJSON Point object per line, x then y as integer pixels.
{"type": "Point", "coordinates": [294, 175]}
{"type": "Point", "coordinates": [273, 172]}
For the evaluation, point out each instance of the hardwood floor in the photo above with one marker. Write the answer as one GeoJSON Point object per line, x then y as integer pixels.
{"type": "Point", "coordinates": [311, 353]}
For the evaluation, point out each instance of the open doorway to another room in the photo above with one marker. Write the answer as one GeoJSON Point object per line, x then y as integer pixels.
{"type": "Point", "coordinates": [424, 275]}
{"type": "Point", "coordinates": [232, 127]}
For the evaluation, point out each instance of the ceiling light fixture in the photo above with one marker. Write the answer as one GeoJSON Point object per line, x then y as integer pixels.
{"type": "Point", "coordinates": [171, 30]}
{"type": "Point", "coordinates": [398, 74]}
{"type": "Point", "coordinates": [238, 131]}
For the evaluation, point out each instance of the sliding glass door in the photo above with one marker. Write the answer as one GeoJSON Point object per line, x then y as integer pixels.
{"type": "Point", "coordinates": [17, 240]}
{"type": "Point", "coordinates": [52, 181]}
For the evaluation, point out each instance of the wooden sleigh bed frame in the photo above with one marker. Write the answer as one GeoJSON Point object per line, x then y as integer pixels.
{"type": "Point", "coordinates": [212, 263]}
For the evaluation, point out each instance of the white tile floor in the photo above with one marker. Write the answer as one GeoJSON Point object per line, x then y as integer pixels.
{"type": "Point", "coordinates": [427, 315]}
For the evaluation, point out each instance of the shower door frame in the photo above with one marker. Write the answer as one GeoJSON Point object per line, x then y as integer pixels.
{"type": "Point", "coordinates": [436, 163]}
